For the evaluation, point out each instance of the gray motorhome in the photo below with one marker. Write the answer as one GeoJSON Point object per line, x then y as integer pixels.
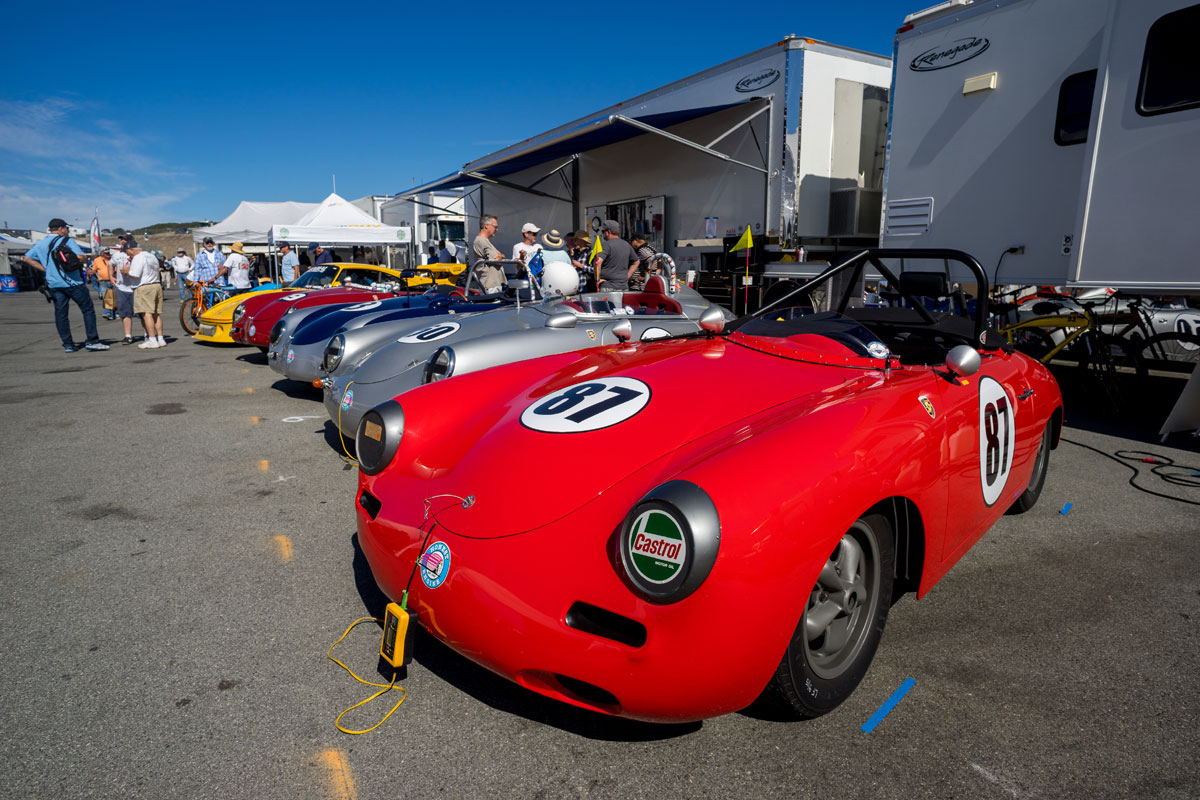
{"type": "Point", "coordinates": [1055, 140]}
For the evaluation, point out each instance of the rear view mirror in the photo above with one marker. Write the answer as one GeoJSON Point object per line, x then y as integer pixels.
{"type": "Point", "coordinates": [623, 330]}
{"type": "Point", "coordinates": [564, 319]}
{"type": "Point", "coordinates": [963, 360]}
{"type": "Point", "coordinates": [712, 320]}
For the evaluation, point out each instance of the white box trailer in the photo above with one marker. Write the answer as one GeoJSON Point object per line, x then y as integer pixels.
{"type": "Point", "coordinates": [435, 217]}
{"type": "Point", "coordinates": [787, 140]}
{"type": "Point", "coordinates": [1055, 140]}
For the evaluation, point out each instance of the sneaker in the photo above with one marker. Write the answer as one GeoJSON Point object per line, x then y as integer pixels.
{"type": "Point", "coordinates": [149, 344]}
{"type": "Point", "coordinates": [127, 340]}
{"type": "Point", "coordinates": [68, 348]}
{"type": "Point", "coordinates": [95, 346]}
{"type": "Point", "coordinates": [161, 342]}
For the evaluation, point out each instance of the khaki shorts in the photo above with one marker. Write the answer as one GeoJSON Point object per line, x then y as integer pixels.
{"type": "Point", "coordinates": [148, 299]}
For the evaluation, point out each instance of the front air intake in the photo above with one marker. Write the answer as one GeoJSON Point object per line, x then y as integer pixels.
{"type": "Point", "coordinates": [600, 622]}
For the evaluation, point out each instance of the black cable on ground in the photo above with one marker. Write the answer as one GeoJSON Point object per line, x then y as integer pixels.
{"type": "Point", "coordinates": [1189, 476]}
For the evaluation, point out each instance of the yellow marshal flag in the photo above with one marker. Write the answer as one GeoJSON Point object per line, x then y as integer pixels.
{"type": "Point", "coordinates": [595, 250]}
{"type": "Point", "coordinates": [744, 243]}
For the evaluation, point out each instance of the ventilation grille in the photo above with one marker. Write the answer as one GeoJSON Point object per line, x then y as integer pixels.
{"type": "Point", "coordinates": [910, 217]}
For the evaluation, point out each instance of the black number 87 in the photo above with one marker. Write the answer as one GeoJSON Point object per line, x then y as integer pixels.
{"type": "Point", "coordinates": [997, 441]}
{"type": "Point", "coordinates": [577, 394]}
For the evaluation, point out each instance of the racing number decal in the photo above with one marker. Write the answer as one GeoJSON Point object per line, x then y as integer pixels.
{"type": "Point", "coordinates": [997, 435]}
{"type": "Point", "coordinates": [295, 296]}
{"type": "Point", "coordinates": [430, 334]}
{"type": "Point", "coordinates": [1188, 326]}
{"type": "Point", "coordinates": [587, 406]}
{"type": "Point", "coordinates": [365, 306]}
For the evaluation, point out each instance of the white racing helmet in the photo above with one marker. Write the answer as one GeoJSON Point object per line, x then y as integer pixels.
{"type": "Point", "coordinates": [559, 280]}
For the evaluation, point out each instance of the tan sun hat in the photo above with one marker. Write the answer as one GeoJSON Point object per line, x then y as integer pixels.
{"type": "Point", "coordinates": [237, 248]}
{"type": "Point", "coordinates": [552, 238]}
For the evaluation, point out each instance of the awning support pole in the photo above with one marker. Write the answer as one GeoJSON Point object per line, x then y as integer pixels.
{"type": "Point", "coordinates": [685, 142]}
{"type": "Point", "coordinates": [479, 176]}
{"type": "Point", "coordinates": [762, 110]}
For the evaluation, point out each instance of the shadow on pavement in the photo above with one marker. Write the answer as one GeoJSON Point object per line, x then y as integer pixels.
{"type": "Point", "coordinates": [500, 693]}
{"type": "Point", "coordinates": [297, 389]}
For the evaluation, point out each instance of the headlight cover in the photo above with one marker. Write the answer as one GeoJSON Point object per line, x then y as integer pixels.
{"type": "Point", "coordinates": [334, 351]}
{"type": "Point", "coordinates": [238, 313]}
{"type": "Point", "coordinates": [378, 436]}
{"type": "Point", "coordinates": [440, 365]}
{"type": "Point", "coordinates": [669, 542]}
{"type": "Point", "coordinates": [276, 331]}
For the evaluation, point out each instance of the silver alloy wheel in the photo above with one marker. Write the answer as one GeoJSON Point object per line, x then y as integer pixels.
{"type": "Point", "coordinates": [843, 603]}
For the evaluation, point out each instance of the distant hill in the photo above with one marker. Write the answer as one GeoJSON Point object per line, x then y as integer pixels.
{"type": "Point", "coordinates": [160, 227]}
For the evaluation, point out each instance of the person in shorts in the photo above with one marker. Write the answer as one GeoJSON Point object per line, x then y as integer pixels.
{"type": "Point", "coordinates": [119, 269]}
{"type": "Point", "coordinates": [147, 295]}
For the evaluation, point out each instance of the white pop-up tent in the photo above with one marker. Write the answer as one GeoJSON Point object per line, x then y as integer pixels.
{"type": "Point", "coordinates": [250, 222]}
{"type": "Point", "coordinates": [338, 221]}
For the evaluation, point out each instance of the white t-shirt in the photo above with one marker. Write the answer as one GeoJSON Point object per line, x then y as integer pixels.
{"type": "Point", "coordinates": [121, 281]}
{"type": "Point", "coordinates": [239, 271]}
{"type": "Point", "coordinates": [144, 269]}
{"type": "Point", "coordinates": [182, 265]}
{"type": "Point", "coordinates": [523, 251]}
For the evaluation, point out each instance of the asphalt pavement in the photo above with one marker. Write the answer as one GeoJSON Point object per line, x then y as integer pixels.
{"type": "Point", "coordinates": [178, 552]}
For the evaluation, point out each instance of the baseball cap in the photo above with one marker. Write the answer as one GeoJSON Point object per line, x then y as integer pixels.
{"type": "Point", "coordinates": [56, 223]}
{"type": "Point", "coordinates": [181, 250]}
{"type": "Point", "coordinates": [612, 226]}
{"type": "Point", "coordinates": [208, 240]}
{"type": "Point", "coordinates": [529, 227]}
{"type": "Point", "coordinates": [313, 246]}
{"type": "Point", "coordinates": [283, 244]}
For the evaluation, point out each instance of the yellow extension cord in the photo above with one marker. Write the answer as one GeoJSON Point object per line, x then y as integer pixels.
{"type": "Point", "coordinates": [386, 687]}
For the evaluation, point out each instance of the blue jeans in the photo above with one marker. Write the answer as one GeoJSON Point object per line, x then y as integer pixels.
{"type": "Point", "coordinates": [184, 292]}
{"type": "Point", "coordinates": [83, 298]}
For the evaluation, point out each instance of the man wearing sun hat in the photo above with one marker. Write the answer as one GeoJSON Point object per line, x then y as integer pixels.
{"type": "Point", "coordinates": [238, 267]}
{"type": "Point", "coordinates": [182, 264]}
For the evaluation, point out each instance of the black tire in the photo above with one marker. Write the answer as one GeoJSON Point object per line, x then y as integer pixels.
{"type": "Point", "coordinates": [839, 631]}
{"type": "Point", "coordinates": [188, 318]}
{"type": "Point", "coordinates": [1041, 461]}
{"type": "Point", "coordinates": [1171, 351]}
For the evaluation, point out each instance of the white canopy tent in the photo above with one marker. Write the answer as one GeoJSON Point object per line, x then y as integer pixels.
{"type": "Point", "coordinates": [251, 222]}
{"type": "Point", "coordinates": [338, 221]}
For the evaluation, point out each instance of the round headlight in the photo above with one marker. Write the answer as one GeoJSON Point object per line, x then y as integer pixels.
{"type": "Point", "coordinates": [334, 351]}
{"type": "Point", "coordinates": [238, 313]}
{"type": "Point", "coordinates": [276, 332]}
{"type": "Point", "coordinates": [669, 542]}
{"type": "Point", "coordinates": [440, 365]}
{"type": "Point", "coordinates": [378, 436]}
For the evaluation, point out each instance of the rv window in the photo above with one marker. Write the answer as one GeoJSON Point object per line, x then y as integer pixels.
{"type": "Point", "coordinates": [1171, 65]}
{"type": "Point", "coordinates": [1074, 108]}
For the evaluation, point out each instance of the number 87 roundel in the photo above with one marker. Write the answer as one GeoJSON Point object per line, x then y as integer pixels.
{"type": "Point", "coordinates": [997, 437]}
{"type": "Point", "coordinates": [587, 406]}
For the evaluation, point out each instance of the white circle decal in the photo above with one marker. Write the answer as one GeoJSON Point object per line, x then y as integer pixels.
{"type": "Point", "coordinates": [294, 296]}
{"type": "Point", "coordinates": [587, 406]}
{"type": "Point", "coordinates": [997, 436]}
{"type": "Point", "coordinates": [365, 306]}
{"type": "Point", "coordinates": [430, 334]}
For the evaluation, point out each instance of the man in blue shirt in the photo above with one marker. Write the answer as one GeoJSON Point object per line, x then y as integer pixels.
{"type": "Point", "coordinates": [290, 263]}
{"type": "Point", "coordinates": [319, 254]}
{"type": "Point", "coordinates": [66, 286]}
{"type": "Point", "coordinates": [209, 264]}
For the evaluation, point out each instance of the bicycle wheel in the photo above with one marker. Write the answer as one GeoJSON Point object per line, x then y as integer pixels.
{"type": "Point", "coordinates": [1178, 352]}
{"type": "Point", "coordinates": [1111, 370]}
{"type": "Point", "coordinates": [189, 318]}
{"type": "Point", "coordinates": [1033, 342]}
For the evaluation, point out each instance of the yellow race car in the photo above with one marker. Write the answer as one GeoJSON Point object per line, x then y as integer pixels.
{"type": "Point", "coordinates": [215, 323]}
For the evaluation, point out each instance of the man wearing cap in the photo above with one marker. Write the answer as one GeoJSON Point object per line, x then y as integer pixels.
{"type": "Point", "coordinates": [491, 278]}
{"type": "Point", "coordinates": [182, 265]}
{"type": "Point", "coordinates": [528, 245]}
{"type": "Point", "coordinates": [616, 261]}
{"type": "Point", "coordinates": [237, 267]}
{"type": "Point", "coordinates": [289, 264]}
{"type": "Point", "coordinates": [319, 254]}
{"type": "Point", "coordinates": [66, 286]}
{"type": "Point", "coordinates": [143, 270]}
{"type": "Point", "coordinates": [123, 284]}
{"type": "Point", "coordinates": [210, 264]}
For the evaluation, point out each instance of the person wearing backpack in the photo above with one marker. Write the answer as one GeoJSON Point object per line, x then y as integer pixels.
{"type": "Point", "coordinates": [61, 259]}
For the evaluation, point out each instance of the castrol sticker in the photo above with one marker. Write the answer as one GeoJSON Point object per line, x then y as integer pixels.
{"type": "Point", "coordinates": [657, 548]}
{"type": "Point", "coordinates": [587, 406]}
{"type": "Point", "coordinates": [997, 436]}
{"type": "Point", "coordinates": [430, 334]}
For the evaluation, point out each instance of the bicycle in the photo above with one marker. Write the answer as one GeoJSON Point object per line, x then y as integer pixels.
{"type": "Point", "coordinates": [204, 296]}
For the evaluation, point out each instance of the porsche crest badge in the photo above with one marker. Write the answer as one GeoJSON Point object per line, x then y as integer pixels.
{"type": "Point", "coordinates": [927, 404]}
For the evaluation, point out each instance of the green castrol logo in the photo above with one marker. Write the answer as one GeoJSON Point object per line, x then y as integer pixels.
{"type": "Point", "coordinates": [656, 545]}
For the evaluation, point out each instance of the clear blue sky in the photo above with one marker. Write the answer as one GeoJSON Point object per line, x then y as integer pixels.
{"type": "Point", "coordinates": [164, 112]}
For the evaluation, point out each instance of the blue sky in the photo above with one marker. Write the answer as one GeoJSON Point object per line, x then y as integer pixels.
{"type": "Point", "coordinates": [168, 112]}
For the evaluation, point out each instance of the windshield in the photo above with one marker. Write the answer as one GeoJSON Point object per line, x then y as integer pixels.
{"type": "Point", "coordinates": [450, 230]}
{"type": "Point", "coordinates": [317, 276]}
{"type": "Point", "coordinates": [801, 320]}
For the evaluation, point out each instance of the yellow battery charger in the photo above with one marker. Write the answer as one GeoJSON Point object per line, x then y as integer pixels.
{"type": "Point", "coordinates": [398, 627]}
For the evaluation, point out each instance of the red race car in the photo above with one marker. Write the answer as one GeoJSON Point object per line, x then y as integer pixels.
{"type": "Point", "coordinates": [666, 530]}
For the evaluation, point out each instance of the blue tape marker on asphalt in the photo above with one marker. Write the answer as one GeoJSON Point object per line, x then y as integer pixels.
{"type": "Point", "coordinates": [878, 716]}
{"type": "Point", "coordinates": [1065, 509]}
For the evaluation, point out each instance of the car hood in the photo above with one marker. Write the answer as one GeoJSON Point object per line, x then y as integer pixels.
{"type": "Point", "coordinates": [522, 479]}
